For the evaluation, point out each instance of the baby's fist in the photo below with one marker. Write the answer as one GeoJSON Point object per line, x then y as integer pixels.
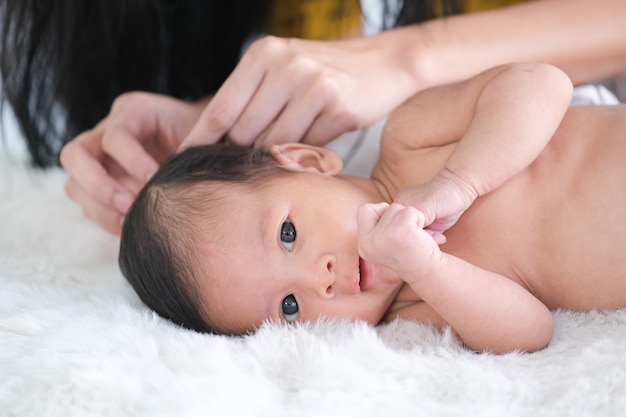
{"type": "Point", "coordinates": [393, 236]}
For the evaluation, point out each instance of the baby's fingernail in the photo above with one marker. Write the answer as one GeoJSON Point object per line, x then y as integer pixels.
{"type": "Point", "coordinates": [122, 201]}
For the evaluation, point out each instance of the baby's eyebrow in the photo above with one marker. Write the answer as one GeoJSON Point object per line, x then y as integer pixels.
{"type": "Point", "coordinates": [272, 308]}
{"type": "Point", "coordinates": [263, 230]}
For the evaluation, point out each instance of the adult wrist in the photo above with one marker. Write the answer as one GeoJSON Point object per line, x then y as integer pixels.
{"type": "Point", "coordinates": [413, 52]}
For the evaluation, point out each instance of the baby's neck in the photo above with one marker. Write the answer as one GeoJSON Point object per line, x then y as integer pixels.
{"type": "Point", "coordinates": [375, 189]}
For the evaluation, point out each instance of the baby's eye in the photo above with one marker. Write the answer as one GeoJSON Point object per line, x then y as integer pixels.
{"type": "Point", "coordinates": [288, 235]}
{"type": "Point", "coordinates": [290, 308]}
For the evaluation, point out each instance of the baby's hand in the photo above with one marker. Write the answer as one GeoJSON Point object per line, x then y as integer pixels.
{"type": "Point", "coordinates": [393, 236]}
{"type": "Point", "coordinates": [442, 200]}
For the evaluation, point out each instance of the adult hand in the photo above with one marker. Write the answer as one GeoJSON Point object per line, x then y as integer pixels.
{"type": "Point", "coordinates": [109, 164]}
{"type": "Point", "coordinates": [442, 201]}
{"type": "Point", "coordinates": [290, 90]}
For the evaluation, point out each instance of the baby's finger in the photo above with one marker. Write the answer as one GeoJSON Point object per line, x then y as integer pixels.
{"type": "Point", "coordinates": [399, 219]}
{"type": "Point", "coordinates": [439, 238]}
{"type": "Point", "coordinates": [368, 216]}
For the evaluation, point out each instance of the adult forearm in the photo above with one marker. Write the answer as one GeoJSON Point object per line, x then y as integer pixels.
{"type": "Point", "coordinates": [585, 39]}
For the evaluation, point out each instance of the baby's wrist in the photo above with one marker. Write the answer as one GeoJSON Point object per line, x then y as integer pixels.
{"type": "Point", "coordinates": [460, 186]}
{"type": "Point", "coordinates": [421, 270]}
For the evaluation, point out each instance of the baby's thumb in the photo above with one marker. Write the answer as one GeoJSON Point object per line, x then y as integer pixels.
{"type": "Point", "coordinates": [439, 237]}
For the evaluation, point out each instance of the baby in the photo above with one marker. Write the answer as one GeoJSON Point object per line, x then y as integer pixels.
{"type": "Point", "coordinates": [492, 203]}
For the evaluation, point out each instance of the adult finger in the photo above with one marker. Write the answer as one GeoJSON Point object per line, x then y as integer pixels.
{"type": "Point", "coordinates": [300, 113]}
{"type": "Point", "coordinates": [86, 169]}
{"type": "Point", "coordinates": [291, 124]}
{"type": "Point", "coordinates": [316, 115]}
{"type": "Point", "coordinates": [338, 116]}
{"type": "Point", "coordinates": [264, 107]}
{"type": "Point", "coordinates": [103, 215]}
{"type": "Point", "coordinates": [121, 176]}
{"type": "Point", "coordinates": [326, 128]}
{"type": "Point", "coordinates": [127, 150]}
{"type": "Point", "coordinates": [229, 102]}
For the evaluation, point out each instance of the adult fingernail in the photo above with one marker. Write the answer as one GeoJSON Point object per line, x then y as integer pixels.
{"type": "Point", "coordinates": [120, 222]}
{"type": "Point", "coordinates": [150, 175]}
{"type": "Point", "coordinates": [122, 201]}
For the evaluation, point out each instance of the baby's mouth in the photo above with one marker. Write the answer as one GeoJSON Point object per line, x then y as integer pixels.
{"type": "Point", "coordinates": [364, 274]}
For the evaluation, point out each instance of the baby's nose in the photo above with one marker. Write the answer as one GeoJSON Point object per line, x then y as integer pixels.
{"type": "Point", "coordinates": [326, 275]}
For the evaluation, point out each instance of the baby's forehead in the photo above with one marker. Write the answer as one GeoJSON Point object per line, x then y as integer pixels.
{"type": "Point", "coordinates": [228, 304]}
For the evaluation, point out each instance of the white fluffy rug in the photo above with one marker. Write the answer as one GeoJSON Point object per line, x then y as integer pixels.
{"type": "Point", "coordinates": [75, 341]}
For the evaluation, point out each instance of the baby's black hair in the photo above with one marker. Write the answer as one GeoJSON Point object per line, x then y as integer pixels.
{"type": "Point", "coordinates": [162, 229]}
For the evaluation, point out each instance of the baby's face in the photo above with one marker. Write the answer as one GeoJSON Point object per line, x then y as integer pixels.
{"type": "Point", "coordinates": [288, 252]}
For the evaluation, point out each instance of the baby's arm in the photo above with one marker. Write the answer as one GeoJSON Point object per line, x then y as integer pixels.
{"type": "Point", "coordinates": [492, 126]}
{"type": "Point", "coordinates": [488, 311]}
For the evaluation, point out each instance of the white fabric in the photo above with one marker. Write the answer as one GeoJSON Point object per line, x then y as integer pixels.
{"type": "Point", "coordinates": [593, 94]}
{"type": "Point", "coordinates": [359, 149]}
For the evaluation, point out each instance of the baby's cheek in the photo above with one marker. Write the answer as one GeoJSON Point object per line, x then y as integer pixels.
{"type": "Point", "coordinates": [390, 276]}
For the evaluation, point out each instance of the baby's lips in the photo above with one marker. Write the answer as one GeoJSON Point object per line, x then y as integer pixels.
{"type": "Point", "coordinates": [367, 278]}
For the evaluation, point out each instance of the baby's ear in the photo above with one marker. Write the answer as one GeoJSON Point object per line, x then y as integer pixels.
{"type": "Point", "coordinates": [301, 157]}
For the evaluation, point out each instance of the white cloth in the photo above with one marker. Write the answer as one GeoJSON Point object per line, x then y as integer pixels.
{"type": "Point", "coordinates": [593, 94]}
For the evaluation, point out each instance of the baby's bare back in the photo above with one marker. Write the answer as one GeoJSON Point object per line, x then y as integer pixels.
{"type": "Point", "coordinates": [559, 228]}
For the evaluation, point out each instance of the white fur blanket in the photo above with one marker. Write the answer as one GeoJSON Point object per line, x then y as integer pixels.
{"type": "Point", "coordinates": [76, 341]}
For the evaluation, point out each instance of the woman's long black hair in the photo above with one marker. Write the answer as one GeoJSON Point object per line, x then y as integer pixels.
{"type": "Point", "coordinates": [67, 60]}
{"type": "Point", "coordinates": [63, 62]}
